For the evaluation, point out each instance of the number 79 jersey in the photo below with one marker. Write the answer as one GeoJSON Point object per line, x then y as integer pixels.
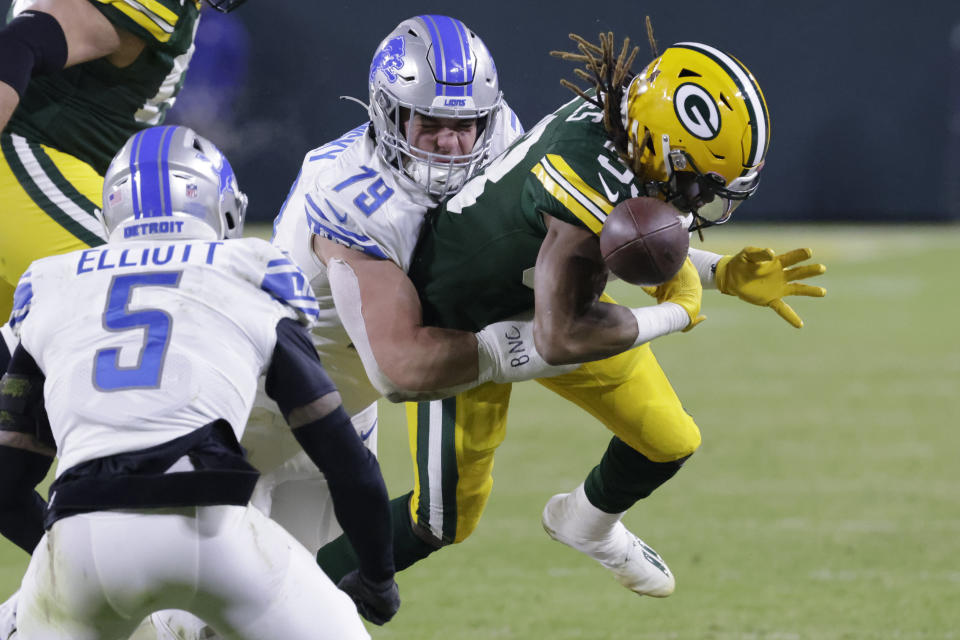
{"type": "Point", "coordinates": [143, 342]}
{"type": "Point", "coordinates": [346, 193]}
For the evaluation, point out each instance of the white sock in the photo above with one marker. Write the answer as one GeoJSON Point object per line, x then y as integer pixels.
{"type": "Point", "coordinates": [589, 522]}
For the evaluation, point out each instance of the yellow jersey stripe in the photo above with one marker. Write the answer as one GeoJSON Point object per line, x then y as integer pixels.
{"type": "Point", "coordinates": [159, 25]}
{"type": "Point", "coordinates": [158, 10]}
{"type": "Point", "coordinates": [569, 180]}
{"type": "Point", "coordinates": [566, 199]}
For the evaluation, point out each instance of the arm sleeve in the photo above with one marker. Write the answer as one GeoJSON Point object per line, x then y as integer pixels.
{"type": "Point", "coordinates": [21, 399]}
{"type": "Point", "coordinates": [296, 378]}
{"type": "Point", "coordinates": [706, 264]}
{"type": "Point", "coordinates": [31, 44]}
{"type": "Point", "coordinates": [21, 508]}
{"type": "Point", "coordinates": [356, 485]}
{"type": "Point", "coordinates": [21, 410]}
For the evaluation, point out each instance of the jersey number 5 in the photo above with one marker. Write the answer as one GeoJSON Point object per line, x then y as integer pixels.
{"type": "Point", "coordinates": [108, 375]}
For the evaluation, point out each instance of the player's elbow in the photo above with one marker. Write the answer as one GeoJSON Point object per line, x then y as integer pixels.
{"type": "Point", "coordinates": [554, 343]}
{"type": "Point", "coordinates": [397, 380]}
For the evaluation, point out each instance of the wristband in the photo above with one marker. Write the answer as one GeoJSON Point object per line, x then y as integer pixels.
{"type": "Point", "coordinates": [659, 320]}
{"type": "Point", "coordinates": [706, 265]}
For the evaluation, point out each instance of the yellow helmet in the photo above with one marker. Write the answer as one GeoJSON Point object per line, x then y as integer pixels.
{"type": "Point", "coordinates": [696, 116]}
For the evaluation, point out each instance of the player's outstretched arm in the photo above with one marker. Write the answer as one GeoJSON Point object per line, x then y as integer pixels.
{"type": "Point", "coordinates": [51, 35]}
{"type": "Point", "coordinates": [763, 277]}
{"type": "Point", "coordinates": [571, 324]}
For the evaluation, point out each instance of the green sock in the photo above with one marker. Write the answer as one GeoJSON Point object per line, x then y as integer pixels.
{"type": "Point", "coordinates": [338, 558]}
{"type": "Point", "coordinates": [624, 476]}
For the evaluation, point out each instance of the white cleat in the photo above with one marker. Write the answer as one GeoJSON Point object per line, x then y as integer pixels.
{"type": "Point", "coordinates": [569, 518]}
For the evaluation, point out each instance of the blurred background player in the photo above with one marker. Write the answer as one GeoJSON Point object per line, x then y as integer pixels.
{"type": "Point", "coordinates": [538, 209]}
{"type": "Point", "coordinates": [77, 78]}
{"type": "Point", "coordinates": [148, 352]}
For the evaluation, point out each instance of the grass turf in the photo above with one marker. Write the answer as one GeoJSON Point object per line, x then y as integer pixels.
{"type": "Point", "coordinates": [823, 503]}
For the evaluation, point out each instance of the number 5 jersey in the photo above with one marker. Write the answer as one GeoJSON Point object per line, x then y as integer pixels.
{"type": "Point", "coordinates": [183, 328]}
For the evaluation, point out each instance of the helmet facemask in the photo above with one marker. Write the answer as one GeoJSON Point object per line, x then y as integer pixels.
{"type": "Point", "coordinates": [440, 174]}
{"type": "Point", "coordinates": [705, 196]}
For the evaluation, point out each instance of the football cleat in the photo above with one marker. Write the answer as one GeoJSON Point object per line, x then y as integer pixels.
{"type": "Point", "coordinates": [569, 518]}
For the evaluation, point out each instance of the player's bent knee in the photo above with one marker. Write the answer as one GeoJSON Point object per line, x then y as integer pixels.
{"type": "Point", "coordinates": [662, 436]}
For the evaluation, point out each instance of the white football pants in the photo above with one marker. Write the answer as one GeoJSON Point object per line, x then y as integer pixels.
{"type": "Point", "coordinates": [96, 576]}
{"type": "Point", "coordinates": [291, 489]}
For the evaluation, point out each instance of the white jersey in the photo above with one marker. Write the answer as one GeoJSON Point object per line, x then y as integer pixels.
{"type": "Point", "coordinates": [143, 342]}
{"type": "Point", "coordinates": [346, 192]}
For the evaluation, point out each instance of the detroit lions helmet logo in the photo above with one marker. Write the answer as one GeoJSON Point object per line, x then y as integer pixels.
{"type": "Point", "coordinates": [389, 59]}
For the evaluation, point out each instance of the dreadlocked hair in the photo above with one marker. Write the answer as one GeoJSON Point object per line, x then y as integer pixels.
{"type": "Point", "coordinates": [609, 73]}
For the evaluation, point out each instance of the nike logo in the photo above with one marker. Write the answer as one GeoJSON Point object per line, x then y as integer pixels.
{"type": "Point", "coordinates": [612, 196]}
{"type": "Point", "coordinates": [366, 434]}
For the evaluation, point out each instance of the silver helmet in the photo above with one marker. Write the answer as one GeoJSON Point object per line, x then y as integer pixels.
{"type": "Point", "coordinates": [169, 182]}
{"type": "Point", "coordinates": [434, 66]}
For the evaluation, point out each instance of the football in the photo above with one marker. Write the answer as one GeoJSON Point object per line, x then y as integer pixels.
{"type": "Point", "coordinates": [643, 241]}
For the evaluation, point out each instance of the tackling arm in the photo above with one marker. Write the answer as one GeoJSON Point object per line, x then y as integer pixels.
{"type": "Point", "coordinates": [380, 309]}
{"type": "Point", "coordinates": [406, 360]}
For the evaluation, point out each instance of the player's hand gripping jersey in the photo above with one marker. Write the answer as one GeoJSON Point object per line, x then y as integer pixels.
{"type": "Point", "coordinates": [185, 329]}
{"type": "Point", "coordinates": [346, 192]}
{"type": "Point", "coordinates": [474, 264]}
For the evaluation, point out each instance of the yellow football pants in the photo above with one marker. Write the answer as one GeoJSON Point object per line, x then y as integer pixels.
{"type": "Point", "coordinates": [452, 441]}
{"type": "Point", "coordinates": [48, 205]}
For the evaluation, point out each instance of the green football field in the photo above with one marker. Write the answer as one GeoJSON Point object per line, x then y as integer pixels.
{"type": "Point", "coordinates": [824, 503]}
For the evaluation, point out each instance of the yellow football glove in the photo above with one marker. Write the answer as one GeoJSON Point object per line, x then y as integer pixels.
{"type": "Point", "coordinates": [683, 289]}
{"type": "Point", "coordinates": [761, 277]}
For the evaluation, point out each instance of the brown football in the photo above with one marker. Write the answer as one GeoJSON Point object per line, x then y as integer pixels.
{"type": "Point", "coordinates": [643, 241]}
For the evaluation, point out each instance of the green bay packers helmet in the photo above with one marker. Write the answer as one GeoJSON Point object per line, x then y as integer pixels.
{"type": "Point", "coordinates": [695, 116]}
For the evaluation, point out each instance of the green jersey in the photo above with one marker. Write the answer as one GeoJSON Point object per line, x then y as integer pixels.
{"type": "Point", "coordinates": [89, 110]}
{"type": "Point", "coordinates": [473, 264]}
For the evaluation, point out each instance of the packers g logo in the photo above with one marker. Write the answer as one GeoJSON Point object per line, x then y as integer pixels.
{"type": "Point", "coordinates": [697, 111]}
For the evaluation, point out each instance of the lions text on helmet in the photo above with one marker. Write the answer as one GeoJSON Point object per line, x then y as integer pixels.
{"type": "Point", "coordinates": [434, 99]}
{"type": "Point", "coordinates": [170, 183]}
